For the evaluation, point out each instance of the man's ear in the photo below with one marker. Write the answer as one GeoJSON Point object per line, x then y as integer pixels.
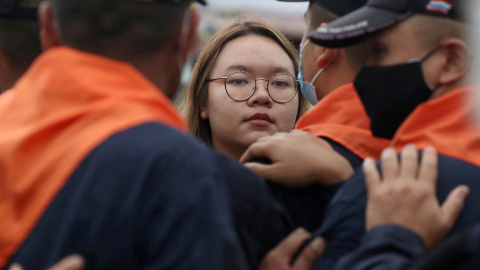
{"type": "Point", "coordinates": [192, 33]}
{"type": "Point", "coordinates": [325, 57]}
{"type": "Point", "coordinates": [49, 33]}
{"type": "Point", "coordinates": [187, 43]}
{"type": "Point", "coordinates": [457, 61]}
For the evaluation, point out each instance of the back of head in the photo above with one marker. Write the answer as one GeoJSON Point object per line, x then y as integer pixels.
{"type": "Point", "coordinates": [326, 11]}
{"type": "Point", "coordinates": [19, 30]}
{"type": "Point", "coordinates": [119, 29]}
{"type": "Point", "coordinates": [194, 97]}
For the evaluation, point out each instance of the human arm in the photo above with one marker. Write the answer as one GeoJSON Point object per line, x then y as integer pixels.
{"type": "Point", "coordinates": [280, 257]}
{"type": "Point", "coordinates": [403, 216]}
{"type": "Point", "coordinates": [298, 158]}
{"type": "Point", "coordinates": [72, 262]}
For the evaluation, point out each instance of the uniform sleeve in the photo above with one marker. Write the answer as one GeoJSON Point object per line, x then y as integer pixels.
{"type": "Point", "coordinates": [354, 160]}
{"type": "Point", "coordinates": [305, 206]}
{"type": "Point", "coordinates": [385, 247]}
{"type": "Point", "coordinates": [344, 222]}
{"type": "Point", "coordinates": [187, 220]}
{"type": "Point", "coordinates": [259, 220]}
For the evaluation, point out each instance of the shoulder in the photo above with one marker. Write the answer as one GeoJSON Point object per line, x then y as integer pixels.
{"type": "Point", "coordinates": [154, 142]}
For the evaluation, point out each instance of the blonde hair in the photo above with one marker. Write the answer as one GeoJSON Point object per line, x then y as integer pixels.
{"type": "Point", "coordinates": [194, 97]}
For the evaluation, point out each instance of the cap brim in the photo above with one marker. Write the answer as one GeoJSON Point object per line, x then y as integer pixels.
{"type": "Point", "coordinates": [203, 2]}
{"type": "Point", "coordinates": [352, 28]}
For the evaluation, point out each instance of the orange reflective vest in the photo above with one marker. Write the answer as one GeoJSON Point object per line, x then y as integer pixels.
{"type": "Point", "coordinates": [50, 121]}
{"type": "Point", "coordinates": [445, 123]}
{"type": "Point", "coordinates": [341, 117]}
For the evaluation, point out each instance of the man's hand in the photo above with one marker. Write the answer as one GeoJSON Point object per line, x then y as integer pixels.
{"type": "Point", "coordinates": [299, 159]}
{"type": "Point", "coordinates": [405, 195]}
{"type": "Point", "coordinates": [280, 257]}
{"type": "Point", "coordinates": [72, 262]}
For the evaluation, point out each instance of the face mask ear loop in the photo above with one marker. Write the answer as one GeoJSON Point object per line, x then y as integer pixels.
{"type": "Point", "coordinates": [321, 70]}
{"type": "Point", "coordinates": [430, 53]}
{"type": "Point", "coordinates": [302, 46]}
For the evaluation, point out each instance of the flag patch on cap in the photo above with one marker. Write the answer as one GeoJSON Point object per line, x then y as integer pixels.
{"type": "Point", "coordinates": [441, 6]}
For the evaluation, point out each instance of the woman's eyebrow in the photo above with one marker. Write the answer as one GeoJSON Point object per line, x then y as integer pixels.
{"type": "Point", "coordinates": [237, 67]}
{"type": "Point", "coordinates": [281, 70]}
{"type": "Point", "coordinates": [245, 68]}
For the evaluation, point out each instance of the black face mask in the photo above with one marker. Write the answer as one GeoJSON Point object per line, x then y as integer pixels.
{"type": "Point", "coordinates": [389, 94]}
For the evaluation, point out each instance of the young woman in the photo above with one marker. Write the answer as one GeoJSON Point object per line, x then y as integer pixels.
{"type": "Point", "coordinates": [243, 87]}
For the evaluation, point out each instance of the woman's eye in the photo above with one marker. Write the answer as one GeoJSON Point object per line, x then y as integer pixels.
{"type": "Point", "coordinates": [279, 84]}
{"type": "Point", "coordinates": [238, 81]}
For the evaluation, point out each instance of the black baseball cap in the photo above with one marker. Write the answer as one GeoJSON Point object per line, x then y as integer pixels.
{"type": "Point", "coordinates": [9, 9]}
{"type": "Point", "coordinates": [380, 14]}
{"type": "Point", "coordinates": [337, 7]}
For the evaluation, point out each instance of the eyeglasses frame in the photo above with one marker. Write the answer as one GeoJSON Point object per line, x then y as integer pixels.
{"type": "Point", "coordinates": [255, 86]}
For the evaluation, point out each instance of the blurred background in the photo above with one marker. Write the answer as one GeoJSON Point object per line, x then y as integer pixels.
{"type": "Point", "coordinates": [288, 17]}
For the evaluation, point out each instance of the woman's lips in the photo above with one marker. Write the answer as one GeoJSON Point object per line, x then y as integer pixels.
{"type": "Point", "coordinates": [261, 119]}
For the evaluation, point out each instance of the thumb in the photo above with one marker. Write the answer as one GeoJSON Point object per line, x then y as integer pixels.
{"type": "Point", "coordinates": [310, 254]}
{"type": "Point", "coordinates": [453, 205]}
{"type": "Point", "coordinates": [15, 266]}
{"type": "Point", "coordinates": [266, 171]}
{"type": "Point", "coordinates": [72, 262]}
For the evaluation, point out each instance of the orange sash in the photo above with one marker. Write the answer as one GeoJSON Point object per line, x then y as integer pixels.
{"type": "Point", "coordinates": [340, 116]}
{"type": "Point", "coordinates": [445, 123]}
{"type": "Point", "coordinates": [67, 104]}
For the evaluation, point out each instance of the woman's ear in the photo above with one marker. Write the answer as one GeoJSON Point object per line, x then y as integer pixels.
{"type": "Point", "coordinates": [204, 113]}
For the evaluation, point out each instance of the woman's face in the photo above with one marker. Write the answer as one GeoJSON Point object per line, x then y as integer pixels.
{"type": "Point", "coordinates": [237, 124]}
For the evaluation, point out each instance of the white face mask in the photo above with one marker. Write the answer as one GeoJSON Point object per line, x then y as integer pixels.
{"type": "Point", "coordinates": [308, 88]}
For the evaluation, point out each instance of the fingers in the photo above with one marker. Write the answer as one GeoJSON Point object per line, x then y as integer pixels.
{"type": "Point", "coordinates": [266, 171]}
{"type": "Point", "coordinates": [409, 162]}
{"type": "Point", "coordinates": [453, 205]}
{"type": "Point", "coordinates": [258, 149]}
{"type": "Point", "coordinates": [389, 164]}
{"type": "Point", "coordinates": [429, 165]}
{"type": "Point", "coordinates": [372, 177]}
{"type": "Point", "coordinates": [72, 262]}
{"type": "Point", "coordinates": [15, 266]}
{"type": "Point", "coordinates": [310, 254]}
{"type": "Point", "coordinates": [289, 246]}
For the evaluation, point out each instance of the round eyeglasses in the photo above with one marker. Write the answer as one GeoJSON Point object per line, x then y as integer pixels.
{"type": "Point", "coordinates": [241, 85]}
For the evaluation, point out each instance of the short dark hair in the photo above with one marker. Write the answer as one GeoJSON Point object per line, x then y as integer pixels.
{"type": "Point", "coordinates": [19, 40]}
{"type": "Point", "coordinates": [356, 54]}
{"type": "Point", "coordinates": [109, 27]}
